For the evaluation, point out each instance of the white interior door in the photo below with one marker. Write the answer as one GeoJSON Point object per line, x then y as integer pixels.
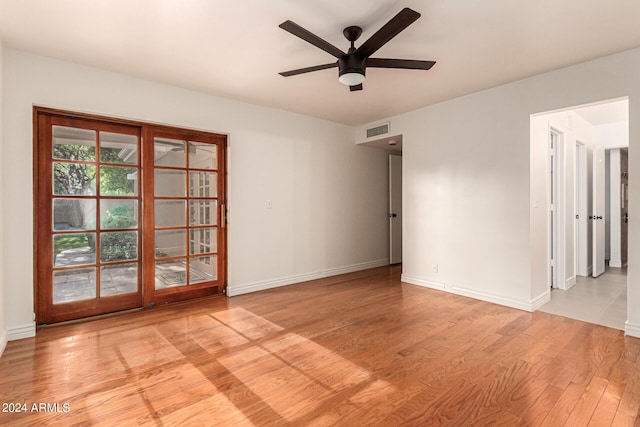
{"type": "Point", "coordinates": [597, 214]}
{"type": "Point", "coordinates": [395, 209]}
{"type": "Point", "coordinates": [581, 211]}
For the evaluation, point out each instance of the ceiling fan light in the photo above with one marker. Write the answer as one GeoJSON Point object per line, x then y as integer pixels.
{"type": "Point", "coordinates": [351, 78]}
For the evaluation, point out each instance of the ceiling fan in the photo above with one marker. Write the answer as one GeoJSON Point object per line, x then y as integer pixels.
{"type": "Point", "coordinates": [352, 64]}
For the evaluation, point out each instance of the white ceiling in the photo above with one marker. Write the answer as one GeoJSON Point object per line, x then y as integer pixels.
{"type": "Point", "coordinates": [235, 49]}
{"type": "Point", "coordinates": [605, 113]}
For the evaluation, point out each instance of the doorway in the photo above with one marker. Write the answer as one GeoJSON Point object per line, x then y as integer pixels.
{"type": "Point", "coordinates": [617, 206]}
{"type": "Point", "coordinates": [127, 215]}
{"type": "Point", "coordinates": [594, 198]}
{"type": "Point", "coordinates": [393, 146]}
{"type": "Point", "coordinates": [395, 209]}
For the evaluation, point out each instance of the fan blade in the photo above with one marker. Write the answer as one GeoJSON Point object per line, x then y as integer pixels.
{"type": "Point", "coordinates": [309, 37]}
{"type": "Point", "coordinates": [410, 64]}
{"type": "Point", "coordinates": [356, 87]}
{"type": "Point", "coordinates": [388, 31]}
{"type": "Point", "coordinates": [308, 69]}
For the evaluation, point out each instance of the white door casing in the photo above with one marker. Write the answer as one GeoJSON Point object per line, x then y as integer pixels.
{"type": "Point", "coordinates": [598, 210]}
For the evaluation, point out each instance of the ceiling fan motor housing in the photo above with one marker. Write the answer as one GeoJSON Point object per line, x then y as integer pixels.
{"type": "Point", "coordinates": [351, 64]}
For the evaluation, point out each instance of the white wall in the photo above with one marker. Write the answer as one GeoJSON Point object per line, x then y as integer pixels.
{"type": "Point", "coordinates": [329, 197]}
{"type": "Point", "coordinates": [3, 327]}
{"type": "Point", "coordinates": [470, 204]}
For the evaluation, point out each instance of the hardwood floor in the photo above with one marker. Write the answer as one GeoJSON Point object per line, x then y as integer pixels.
{"type": "Point", "coordinates": [357, 349]}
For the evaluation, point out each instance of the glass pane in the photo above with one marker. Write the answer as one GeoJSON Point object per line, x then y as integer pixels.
{"type": "Point", "coordinates": [74, 214]}
{"type": "Point", "coordinates": [169, 152]}
{"type": "Point", "coordinates": [118, 246]}
{"type": "Point", "coordinates": [202, 156]}
{"type": "Point", "coordinates": [170, 274]}
{"type": "Point", "coordinates": [74, 144]}
{"type": "Point", "coordinates": [74, 249]}
{"type": "Point", "coordinates": [74, 285]}
{"type": "Point", "coordinates": [202, 269]}
{"type": "Point", "coordinates": [203, 212]}
{"type": "Point", "coordinates": [118, 279]}
{"type": "Point", "coordinates": [203, 240]}
{"type": "Point", "coordinates": [74, 179]}
{"type": "Point", "coordinates": [203, 184]}
{"type": "Point", "coordinates": [118, 148]}
{"type": "Point", "coordinates": [169, 183]}
{"type": "Point", "coordinates": [170, 213]}
{"type": "Point", "coordinates": [118, 181]}
{"type": "Point", "coordinates": [118, 213]}
{"type": "Point", "coordinates": [170, 243]}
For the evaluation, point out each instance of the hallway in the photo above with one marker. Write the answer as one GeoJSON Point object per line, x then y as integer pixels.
{"type": "Point", "coordinates": [601, 300]}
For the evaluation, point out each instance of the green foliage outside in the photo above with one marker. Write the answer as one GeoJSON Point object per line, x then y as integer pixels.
{"type": "Point", "coordinates": [80, 179]}
{"type": "Point", "coordinates": [75, 178]}
{"type": "Point", "coordinates": [119, 217]}
{"type": "Point", "coordinates": [113, 179]}
{"type": "Point", "coordinates": [119, 246]}
{"type": "Point", "coordinates": [73, 241]}
{"type": "Point", "coordinates": [114, 246]}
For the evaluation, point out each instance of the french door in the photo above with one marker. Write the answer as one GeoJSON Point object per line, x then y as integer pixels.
{"type": "Point", "coordinates": [185, 248]}
{"type": "Point", "coordinates": [126, 215]}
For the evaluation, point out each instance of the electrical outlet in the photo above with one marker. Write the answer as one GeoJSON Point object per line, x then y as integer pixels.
{"type": "Point", "coordinates": [435, 268]}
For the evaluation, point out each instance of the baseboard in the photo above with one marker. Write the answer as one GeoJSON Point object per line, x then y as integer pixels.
{"type": "Point", "coordinates": [424, 283]}
{"type": "Point", "coordinates": [290, 280]}
{"type": "Point", "coordinates": [355, 267]}
{"type": "Point", "coordinates": [3, 342]}
{"type": "Point", "coordinates": [540, 300]}
{"type": "Point", "coordinates": [20, 332]}
{"type": "Point", "coordinates": [632, 329]}
{"type": "Point", "coordinates": [509, 302]}
{"type": "Point", "coordinates": [496, 299]}
{"type": "Point", "coordinates": [616, 264]}
{"type": "Point", "coordinates": [570, 282]}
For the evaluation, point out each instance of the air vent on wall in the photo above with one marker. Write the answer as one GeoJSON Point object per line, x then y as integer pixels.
{"type": "Point", "coordinates": [382, 129]}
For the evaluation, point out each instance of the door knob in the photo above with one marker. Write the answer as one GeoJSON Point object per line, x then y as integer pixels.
{"type": "Point", "coordinates": [393, 215]}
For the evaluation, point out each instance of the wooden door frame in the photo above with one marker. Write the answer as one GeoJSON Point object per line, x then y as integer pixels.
{"type": "Point", "coordinates": [43, 301]}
